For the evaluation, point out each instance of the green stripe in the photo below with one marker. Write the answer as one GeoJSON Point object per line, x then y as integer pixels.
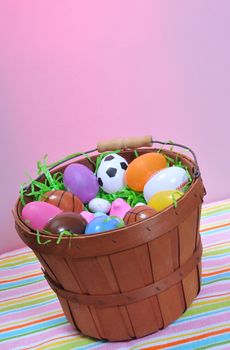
{"type": "Point", "coordinates": [216, 252]}
{"type": "Point", "coordinates": [22, 285]}
{"type": "Point", "coordinates": [218, 206]}
{"type": "Point", "coordinates": [214, 281]}
{"type": "Point", "coordinates": [216, 211]}
{"type": "Point", "coordinates": [27, 303]}
{"type": "Point", "coordinates": [204, 308]}
{"type": "Point", "coordinates": [18, 263]}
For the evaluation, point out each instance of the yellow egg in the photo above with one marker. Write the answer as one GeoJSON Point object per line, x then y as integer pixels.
{"type": "Point", "coordinates": [163, 199]}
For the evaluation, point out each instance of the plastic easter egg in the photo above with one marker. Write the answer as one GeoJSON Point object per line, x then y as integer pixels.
{"type": "Point", "coordinates": [37, 214]}
{"type": "Point", "coordinates": [163, 199]}
{"type": "Point", "coordinates": [99, 205]}
{"type": "Point", "coordinates": [81, 181]}
{"type": "Point", "coordinates": [67, 221]}
{"type": "Point", "coordinates": [119, 208]}
{"type": "Point", "coordinates": [139, 213]}
{"type": "Point", "coordinates": [103, 223]}
{"type": "Point", "coordinates": [111, 173]}
{"type": "Point", "coordinates": [66, 201]}
{"type": "Point", "coordinates": [172, 178]}
{"type": "Point", "coordinates": [142, 168]}
{"type": "Point", "coordinates": [139, 204]}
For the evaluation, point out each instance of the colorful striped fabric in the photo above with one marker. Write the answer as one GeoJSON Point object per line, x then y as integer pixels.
{"type": "Point", "coordinates": [31, 318]}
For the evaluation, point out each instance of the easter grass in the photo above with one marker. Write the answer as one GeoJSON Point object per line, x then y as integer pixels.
{"type": "Point", "coordinates": [59, 238]}
{"type": "Point", "coordinates": [37, 189]}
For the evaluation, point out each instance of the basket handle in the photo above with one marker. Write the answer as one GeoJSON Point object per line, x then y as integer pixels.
{"type": "Point", "coordinates": [196, 172]}
{"type": "Point", "coordinates": [145, 141]}
{"type": "Point", "coordinates": [131, 142]}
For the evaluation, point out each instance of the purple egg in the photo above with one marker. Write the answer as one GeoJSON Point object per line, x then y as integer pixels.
{"type": "Point", "coordinates": [81, 181]}
{"type": "Point", "coordinates": [37, 214]}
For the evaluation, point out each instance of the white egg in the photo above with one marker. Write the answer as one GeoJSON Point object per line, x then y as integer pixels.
{"type": "Point", "coordinates": [139, 204]}
{"type": "Point", "coordinates": [171, 178]}
{"type": "Point", "coordinates": [111, 173]}
{"type": "Point", "coordinates": [99, 205]}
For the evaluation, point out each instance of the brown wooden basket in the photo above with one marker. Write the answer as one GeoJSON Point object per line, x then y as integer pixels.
{"type": "Point", "coordinates": [132, 281]}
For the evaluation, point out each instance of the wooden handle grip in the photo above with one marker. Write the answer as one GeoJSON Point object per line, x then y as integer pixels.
{"type": "Point", "coordinates": [131, 142]}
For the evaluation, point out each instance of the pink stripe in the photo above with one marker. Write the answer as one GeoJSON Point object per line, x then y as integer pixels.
{"type": "Point", "coordinates": [26, 270]}
{"type": "Point", "coordinates": [217, 203]}
{"type": "Point", "coordinates": [20, 315]}
{"type": "Point", "coordinates": [215, 263]}
{"type": "Point", "coordinates": [211, 240]}
{"type": "Point", "coordinates": [18, 252]}
{"type": "Point", "coordinates": [214, 219]}
{"type": "Point", "coordinates": [7, 294]}
{"type": "Point", "coordinates": [214, 288]}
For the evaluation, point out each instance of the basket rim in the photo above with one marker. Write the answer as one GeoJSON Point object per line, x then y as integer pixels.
{"type": "Point", "coordinates": [44, 235]}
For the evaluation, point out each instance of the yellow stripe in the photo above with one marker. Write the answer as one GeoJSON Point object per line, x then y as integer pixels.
{"type": "Point", "coordinates": [210, 210]}
{"type": "Point", "coordinates": [17, 259]}
{"type": "Point", "coordinates": [27, 298]}
{"type": "Point", "coordinates": [198, 303]}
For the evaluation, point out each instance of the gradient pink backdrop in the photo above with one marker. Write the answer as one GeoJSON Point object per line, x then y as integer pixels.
{"type": "Point", "coordinates": [73, 72]}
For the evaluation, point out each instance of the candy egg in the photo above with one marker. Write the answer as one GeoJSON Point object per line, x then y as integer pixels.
{"type": "Point", "coordinates": [87, 215]}
{"type": "Point", "coordinates": [37, 214]}
{"type": "Point", "coordinates": [66, 201]}
{"type": "Point", "coordinates": [81, 181]}
{"type": "Point", "coordinates": [172, 178]}
{"type": "Point", "coordinates": [139, 213]}
{"type": "Point", "coordinates": [103, 223]}
{"type": "Point", "coordinates": [99, 205]}
{"type": "Point", "coordinates": [163, 199]}
{"type": "Point", "coordinates": [142, 168]}
{"type": "Point", "coordinates": [111, 173]}
{"type": "Point", "coordinates": [119, 208]}
{"type": "Point", "coordinates": [67, 221]}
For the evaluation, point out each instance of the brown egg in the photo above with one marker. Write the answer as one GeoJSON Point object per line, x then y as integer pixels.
{"type": "Point", "coordinates": [65, 200]}
{"type": "Point", "coordinates": [67, 221]}
{"type": "Point", "coordinates": [138, 213]}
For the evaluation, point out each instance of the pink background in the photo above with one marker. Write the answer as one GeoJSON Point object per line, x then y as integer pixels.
{"type": "Point", "coordinates": [74, 72]}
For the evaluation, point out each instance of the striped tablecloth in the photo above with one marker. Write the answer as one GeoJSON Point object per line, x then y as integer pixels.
{"type": "Point", "coordinates": [31, 318]}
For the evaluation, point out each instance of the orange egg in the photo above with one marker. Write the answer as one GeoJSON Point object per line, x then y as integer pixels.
{"type": "Point", "coordinates": [142, 168]}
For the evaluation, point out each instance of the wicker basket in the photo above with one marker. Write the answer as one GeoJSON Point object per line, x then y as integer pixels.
{"type": "Point", "coordinates": [132, 281]}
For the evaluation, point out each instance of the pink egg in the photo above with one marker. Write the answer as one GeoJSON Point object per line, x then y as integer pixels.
{"type": "Point", "coordinates": [37, 214]}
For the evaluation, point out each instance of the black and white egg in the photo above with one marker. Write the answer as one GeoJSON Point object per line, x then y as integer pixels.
{"type": "Point", "coordinates": [111, 173]}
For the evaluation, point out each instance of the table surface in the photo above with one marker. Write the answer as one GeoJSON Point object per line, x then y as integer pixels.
{"type": "Point", "coordinates": [31, 317]}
